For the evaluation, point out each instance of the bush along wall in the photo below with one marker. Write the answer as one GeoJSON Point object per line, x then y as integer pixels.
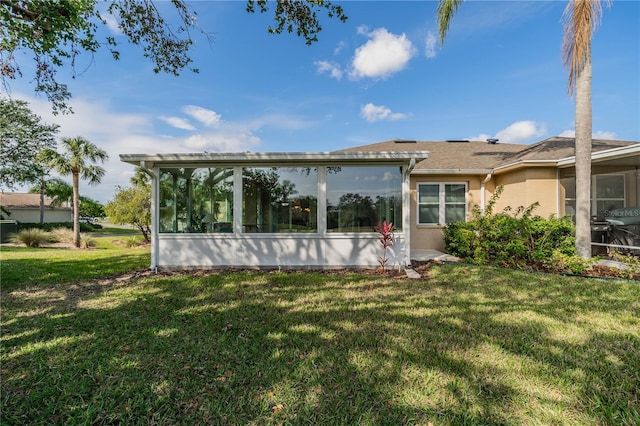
{"type": "Point", "coordinates": [512, 238]}
{"type": "Point", "coordinates": [48, 226]}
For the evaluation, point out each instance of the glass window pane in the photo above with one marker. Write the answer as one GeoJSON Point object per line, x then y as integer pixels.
{"type": "Point", "coordinates": [212, 200]}
{"type": "Point", "coordinates": [454, 193]}
{"type": "Point", "coordinates": [279, 199]}
{"type": "Point", "coordinates": [196, 200]}
{"type": "Point", "coordinates": [569, 185]}
{"type": "Point", "coordinates": [610, 186]}
{"type": "Point", "coordinates": [428, 214]}
{"type": "Point", "coordinates": [605, 206]}
{"type": "Point", "coordinates": [358, 198]}
{"type": "Point", "coordinates": [454, 213]}
{"type": "Point", "coordinates": [428, 193]}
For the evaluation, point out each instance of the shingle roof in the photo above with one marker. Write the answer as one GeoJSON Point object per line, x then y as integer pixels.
{"type": "Point", "coordinates": [474, 156]}
{"type": "Point", "coordinates": [21, 200]}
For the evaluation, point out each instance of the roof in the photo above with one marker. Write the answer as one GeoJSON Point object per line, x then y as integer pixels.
{"type": "Point", "coordinates": [274, 158]}
{"type": "Point", "coordinates": [17, 200]}
{"type": "Point", "coordinates": [474, 157]}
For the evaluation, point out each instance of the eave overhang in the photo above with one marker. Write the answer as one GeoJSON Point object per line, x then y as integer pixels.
{"type": "Point", "coordinates": [606, 155]}
{"type": "Point", "coordinates": [273, 158]}
{"type": "Point", "coordinates": [421, 172]}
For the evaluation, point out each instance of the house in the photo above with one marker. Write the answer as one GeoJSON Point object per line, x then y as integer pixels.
{"type": "Point", "coordinates": [320, 210]}
{"type": "Point", "coordinates": [25, 208]}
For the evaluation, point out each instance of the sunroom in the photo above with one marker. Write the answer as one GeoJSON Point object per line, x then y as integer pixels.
{"type": "Point", "coordinates": [284, 210]}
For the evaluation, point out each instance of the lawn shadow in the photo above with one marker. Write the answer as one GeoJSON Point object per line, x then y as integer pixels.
{"type": "Point", "coordinates": [465, 347]}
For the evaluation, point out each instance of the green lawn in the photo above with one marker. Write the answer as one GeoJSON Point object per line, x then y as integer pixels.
{"type": "Point", "coordinates": [468, 345]}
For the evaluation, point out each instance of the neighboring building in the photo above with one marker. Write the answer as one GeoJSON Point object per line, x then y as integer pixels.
{"type": "Point", "coordinates": [321, 209]}
{"type": "Point", "coordinates": [25, 208]}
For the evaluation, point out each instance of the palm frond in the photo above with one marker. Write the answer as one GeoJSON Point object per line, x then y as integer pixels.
{"type": "Point", "coordinates": [444, 15]}
{"type": "Point", "coordinates": [580, 17]}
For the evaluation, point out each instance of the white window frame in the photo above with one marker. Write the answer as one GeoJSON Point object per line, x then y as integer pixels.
{"type": "Point", "coordinates": [441, 201]}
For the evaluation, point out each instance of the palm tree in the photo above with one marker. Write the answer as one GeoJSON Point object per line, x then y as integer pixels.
{"type": "Point", "coordinates": [77, 161]}
{"type": "Point", "coordinates": [56, 189]}
{"type": "Point", "coordinates": [581, 19]}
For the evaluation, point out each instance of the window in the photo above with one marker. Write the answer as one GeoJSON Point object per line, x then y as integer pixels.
{"type": "Point", "coordinates": [441, 203]}
{"type": "Point", "coordinates": [279, 199]}
{"type": "Point", "coordinates": [196, 200]}
{"type": "Point", "coordinates": [607, 193]}
{"type": "Point", "coordinates": [359, 198]}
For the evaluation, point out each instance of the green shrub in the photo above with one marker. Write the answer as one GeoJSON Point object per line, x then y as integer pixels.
{"type": "Point", "coordinates": [631, 263]}
{"type": "Point", "coordinates": [32, 237]}
{"type": "Point", "coordinates": [510, 238]}
{"type": "Point", "coordinates": [562, 262]}
{"type": "Point", "coordinates": [49, 226]}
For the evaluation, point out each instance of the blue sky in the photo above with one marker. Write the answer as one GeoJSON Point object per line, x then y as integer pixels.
{"type": "Point", "coordinates": [382, 75]}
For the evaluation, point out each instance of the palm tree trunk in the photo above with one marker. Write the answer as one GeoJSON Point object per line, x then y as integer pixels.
{"type": "Point", "coordinates": [583, 159]}
{"type": "Point", "coordinates": [42, 187]}
{"type": "Point", "coordinates": [76, 209]}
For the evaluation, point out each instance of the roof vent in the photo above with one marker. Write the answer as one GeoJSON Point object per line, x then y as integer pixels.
{"type": "Point", "coordinates": [457, 140]}
{"type": "Point", "coordinates": [404, 141]}
{"type": "Point", "coordinates": [492, 141]}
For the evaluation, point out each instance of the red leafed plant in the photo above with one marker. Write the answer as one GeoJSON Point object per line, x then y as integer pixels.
{"type": "Point", "coordinates": [387, 239]}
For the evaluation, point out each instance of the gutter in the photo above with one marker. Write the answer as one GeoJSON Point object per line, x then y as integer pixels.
{"type": "Point", "coordinates": [482, 192]}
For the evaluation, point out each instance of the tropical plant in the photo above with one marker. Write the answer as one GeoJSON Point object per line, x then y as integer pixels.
{"type": "Point", "coordinates": [581, 18]}
{"type": "Point", "coordinates": [57, 32]}
{"type": "Point", "coordinates": [57, 190]}
{"type": "Point", "coordinates": [387, 240]}
{"type": "Point", "coordinates": [78, 161]}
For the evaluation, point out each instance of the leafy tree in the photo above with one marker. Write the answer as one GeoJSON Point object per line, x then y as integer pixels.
{"type": "Point", "coordinates": [22, 137]}
{"type": "Point", "coordinates": [57, 32]}
{"type": "Point", "coordinates": [581, 19]}
{"type": "Point", "coordinates": [78, 161]}
{"type": "Point", "coordinates": [132, 206]}
{"type": "Point", "coordinates": [91, 208]}
{"type": "Point", "coordinates": [56, 189]}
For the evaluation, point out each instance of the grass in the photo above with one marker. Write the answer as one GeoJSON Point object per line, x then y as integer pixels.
{"type": "Point", "coordinates": [469, 345]}
{"type": "Point", "coordinates": [114, 231]}
{"type": "Point", "coordinates": [22, 266]}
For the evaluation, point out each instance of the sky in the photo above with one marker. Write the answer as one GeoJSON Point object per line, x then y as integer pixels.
{"type": "Point", "coordinates": [382, 75]}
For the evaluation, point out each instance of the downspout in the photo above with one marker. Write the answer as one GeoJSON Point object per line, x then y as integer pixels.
{"type": "Point", "coordinates": [154, 219]}
{"type": "Point", "coordinates": [482, 192]}
{"type": "Point", "coordinates": [406, 210]}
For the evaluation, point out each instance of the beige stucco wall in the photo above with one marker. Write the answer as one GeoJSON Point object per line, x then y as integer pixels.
{"type": "Point", "coordinates": [524, 187]}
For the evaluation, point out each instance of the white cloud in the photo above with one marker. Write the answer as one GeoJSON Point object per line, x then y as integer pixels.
{"type": "Point", "coordinates": [333, 69]}
{"type": "Point", "coordinates": [205, 116]}
{"type": "Point", "coordinates": [373, 113]}
{"type": "Point", "coordinates": [111, 23]}
{"type": "Point", "coordinates": [521, 131]}
{"type": "Point", "coordinates": [384, 54]}
{"type": "Point", "coordinates": [128, 133]}
{"type": "Point", "coordinates": [226, 141]}
{"type": "Point", "coordinates": [177, 122]}
{"type": "Point", "coordinates": [600, 134]}
{"type": "Point", "coordinates": [431, 44]}
{"type": "Point", "coordinates": [518, 132]}
{"type": "Point", "coordinates": [341, 45]}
